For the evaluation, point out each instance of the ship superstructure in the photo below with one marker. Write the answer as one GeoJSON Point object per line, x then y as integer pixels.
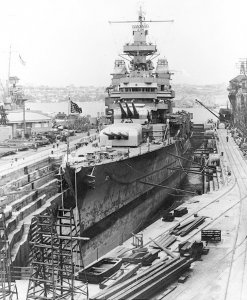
{"type": "Point", "coordinates": [129, 171]}
{"type": "Point", "coordinates": [140, 92]}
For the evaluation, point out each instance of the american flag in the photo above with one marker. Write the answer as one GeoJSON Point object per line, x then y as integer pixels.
{"type": "Point", "coordinates": [74, 108]}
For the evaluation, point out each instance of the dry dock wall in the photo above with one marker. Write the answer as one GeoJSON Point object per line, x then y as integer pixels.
{"type": "Point", "coordinates": [29, 190]}
{"type": "Point", "coordinates": [18, 172]}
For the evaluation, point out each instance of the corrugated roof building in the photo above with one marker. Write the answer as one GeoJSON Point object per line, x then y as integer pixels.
{"type": "Point", "coordinates": [35, 122]}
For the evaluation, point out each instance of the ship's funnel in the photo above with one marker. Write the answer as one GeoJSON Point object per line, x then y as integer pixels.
{"type": "Point", "coordinates": [123, 112]}
{"type": "Point", "coordinates": [129, 112]}
{"type": "Point", "coordinates": [136, 114]}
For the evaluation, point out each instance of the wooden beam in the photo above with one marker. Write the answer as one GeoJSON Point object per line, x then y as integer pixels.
{"type": "Point", "coordinates": [167, 187]}
{"type": "Point", "coordinates": [168, 252]}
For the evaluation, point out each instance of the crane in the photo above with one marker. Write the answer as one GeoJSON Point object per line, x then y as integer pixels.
{"type": "Point", "coordinates": [207, 108]}
{"type": "Point", "coordinates": [224, 113]}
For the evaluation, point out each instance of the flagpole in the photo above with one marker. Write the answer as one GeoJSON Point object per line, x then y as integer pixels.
{"type": "Point", "coordinates": [9, 69]}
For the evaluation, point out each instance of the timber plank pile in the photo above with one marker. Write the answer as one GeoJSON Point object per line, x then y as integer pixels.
{"type": "Point", "coordinates": [140, 255]}
{"type": "Point", "coordinates": [188, 226]}
{"type": "Point", "coordinates": [123, 274]}
{"type": "Point", "coordinates": [165, 241]}
{"type": "Point", "coordinates": [148, 282]}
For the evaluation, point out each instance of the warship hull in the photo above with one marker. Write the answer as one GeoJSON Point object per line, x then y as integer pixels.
{"type": "Point", "coordinates": [125, 194]}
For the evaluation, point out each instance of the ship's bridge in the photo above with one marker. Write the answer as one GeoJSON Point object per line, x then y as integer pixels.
{"type": "Point", "coordinates": [165, 79]}
{"type": "Point", "coordinates": [145, 49]}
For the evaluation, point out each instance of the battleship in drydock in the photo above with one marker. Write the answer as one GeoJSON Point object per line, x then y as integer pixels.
{"type": "Point", "coordinates": [129, 173]}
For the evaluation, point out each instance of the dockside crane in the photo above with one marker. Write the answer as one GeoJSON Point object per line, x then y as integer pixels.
{"type": "Point", "coordinates": [224, 113]}
{"type": "Point", "coordinates": [197, 101]}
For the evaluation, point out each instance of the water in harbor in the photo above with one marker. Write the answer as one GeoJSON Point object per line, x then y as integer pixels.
{"type": "Point", "coordinates": [92, 108]}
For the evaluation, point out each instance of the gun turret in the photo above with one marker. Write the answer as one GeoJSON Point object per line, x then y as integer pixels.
{"type": "Point", "coordinates": [124, 135]}
{"type": "Point", "coordinates": [116, 135]}
{"type": "Point", "coordinates": [108, 134]}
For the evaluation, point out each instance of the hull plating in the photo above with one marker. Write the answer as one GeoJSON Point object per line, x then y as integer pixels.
{"type": "Point", "coordinates": [120, 183]}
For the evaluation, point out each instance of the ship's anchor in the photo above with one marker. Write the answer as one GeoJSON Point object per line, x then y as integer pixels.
{"type": "Point", "coordinates": [90, 179]}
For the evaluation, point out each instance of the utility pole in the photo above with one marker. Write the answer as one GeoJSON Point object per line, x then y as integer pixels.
{"type": "Point", "coordinates": [9, 70]}
{"type": "Point", "coordinates": [24, 117]}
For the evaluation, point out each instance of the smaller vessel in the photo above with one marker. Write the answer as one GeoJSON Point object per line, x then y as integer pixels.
{"type": "Point", "coordinates": [100, 270]}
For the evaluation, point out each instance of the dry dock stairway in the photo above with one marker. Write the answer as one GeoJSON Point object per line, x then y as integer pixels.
{"type": "Point", "coordinates": [23, 193]}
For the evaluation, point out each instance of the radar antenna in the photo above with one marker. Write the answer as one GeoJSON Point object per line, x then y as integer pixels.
{"type": "Point", "coordinates": [141, 20]}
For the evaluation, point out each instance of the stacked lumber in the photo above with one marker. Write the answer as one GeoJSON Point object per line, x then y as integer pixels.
{"type": "Point", "coordinates": [165, 241]}
{"type": "Point", "coordinates": [146, 283]}
{"type": "Point", "coordinates": [187, 227]}
{"type": "Point", "coordinates": [177, 228]}
{"type": "Point", "coordinates": [121, 275]}
{"type": "Point", "coordinates": [142, 256]}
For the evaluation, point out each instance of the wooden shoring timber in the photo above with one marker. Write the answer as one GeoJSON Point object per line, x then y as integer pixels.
{"type": "Point", "coordinates": [148, 280]}
{"type": "Point", "coordinates": [121, 278]}
{"type": "Point", "coordinates": [169, 241]}
{"type": "Point", "coordinates": [192, 161]}
{"type": "Point", "coordinates": [178, 229]}
{"type": "Point", "coordinates": [167, 187]}
{"type": "Point", "coordinates": [166, 238]}
{"type": "Point", "coordinates": [193, 171]}
{"type": "Point", "coordinates": [163, 238]}
{"type": "Point", "coordinates": [165, 241]}
{"type": "Point", "coordinates": [150, 288]}
{"type": "Point", "coordinates": [143, 257]}
{"type": "Point", "coordinates": [191, 227]}
{"type": "Point", "coordinates": [148, 272]}
{"type": "Point", "coordinates": [185, 228]}
{"type": "Point", "coordinates": [168, 252]}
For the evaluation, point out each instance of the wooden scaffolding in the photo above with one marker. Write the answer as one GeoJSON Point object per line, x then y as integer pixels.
{"type": "Point", "coordinates": [55, 256]}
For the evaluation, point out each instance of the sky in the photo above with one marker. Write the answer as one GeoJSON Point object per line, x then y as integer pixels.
{"type": "Point", "coordinates": [65, 42]}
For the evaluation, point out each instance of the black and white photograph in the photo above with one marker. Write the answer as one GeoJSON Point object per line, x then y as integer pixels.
{"type": "Point", "coordinates": [123, 150]}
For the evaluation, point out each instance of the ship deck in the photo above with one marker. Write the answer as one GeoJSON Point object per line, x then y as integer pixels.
{"type": "Point", "coordinates": [79, 157]}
